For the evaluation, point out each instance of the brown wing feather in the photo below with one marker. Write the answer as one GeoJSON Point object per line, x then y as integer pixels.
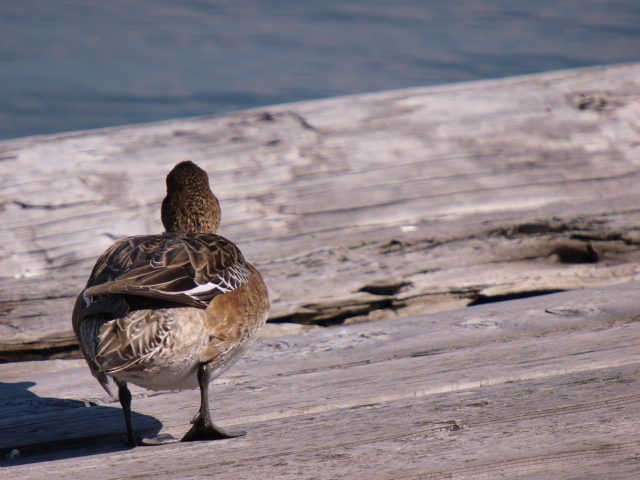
{"type": "Point", "coordinates": [87, 333]}
{"type": "Point", "coordinates": [187, 268]}
{"type": "Point", "coordinates": [129, 344]}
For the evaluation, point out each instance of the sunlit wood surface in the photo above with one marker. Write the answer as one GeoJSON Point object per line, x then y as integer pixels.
{"type": "Point", "coordinates": [538, 388]}
{"type": "Point", "coordinates": [406, 238]}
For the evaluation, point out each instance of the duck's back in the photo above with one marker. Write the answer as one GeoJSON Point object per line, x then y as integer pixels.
{"type": "Point", "coordinates": [157, 306]}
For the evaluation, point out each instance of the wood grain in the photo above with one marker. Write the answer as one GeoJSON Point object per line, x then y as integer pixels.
{"type": "Point", "coordinates": [461, 193]}
{"type": "Point", "coordinates": [528, 388]}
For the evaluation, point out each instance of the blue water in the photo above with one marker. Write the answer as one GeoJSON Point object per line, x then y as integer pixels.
{"type": "Point", "coordinates": [78, 64]}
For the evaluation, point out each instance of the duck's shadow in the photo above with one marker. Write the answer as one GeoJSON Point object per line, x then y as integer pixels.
{"type": "Point", "coordinates": [36, 429]}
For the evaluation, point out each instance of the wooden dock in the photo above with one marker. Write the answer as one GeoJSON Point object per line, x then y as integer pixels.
{"type": "Point", "coordinates": [545, 387]}
{"type": "Point", "coordinates": [412, 242]}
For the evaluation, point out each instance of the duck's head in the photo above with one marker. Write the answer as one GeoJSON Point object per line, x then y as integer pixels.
{"type": "Point", "coordinates": [190, 205]}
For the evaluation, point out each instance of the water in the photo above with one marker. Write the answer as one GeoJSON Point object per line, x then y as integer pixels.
{"type": "Point", "coordinates": [79, 64]}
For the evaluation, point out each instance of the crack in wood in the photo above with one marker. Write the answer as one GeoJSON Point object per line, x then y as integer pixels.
{"type": "Point", "coordinates": [483, 299]}
{"type": "Point", "coordinates": [48, 206]}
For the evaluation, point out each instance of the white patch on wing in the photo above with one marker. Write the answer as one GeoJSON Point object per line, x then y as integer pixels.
{"type": "Point", "coordinates": [239, 272]}
{"type": "Point", "coordinates": [223, 286]}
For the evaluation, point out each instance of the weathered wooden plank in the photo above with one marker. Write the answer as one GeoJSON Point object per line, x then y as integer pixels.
{"type": "Point", "coordinates": [527, 388]}
{"type": "Point", "coordinates": [444, 436]}
{"type": "Point", "coordinates": [344, 386]}
{"type": "Point", "coordinates": [534, 317]}
{"type": "Point", "coordinates": [461, 192]}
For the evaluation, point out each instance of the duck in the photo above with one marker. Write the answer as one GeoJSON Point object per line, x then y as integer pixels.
{"type": "Point", "coordinates": [171, 311]}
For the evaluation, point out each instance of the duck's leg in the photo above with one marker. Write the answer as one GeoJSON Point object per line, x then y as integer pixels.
{"type": "Point", "coordinates": [133, 439]}
{"type": "Point", "coordinates": [125, 400]}
{"type": "Point", "coordinates": [203, 427]}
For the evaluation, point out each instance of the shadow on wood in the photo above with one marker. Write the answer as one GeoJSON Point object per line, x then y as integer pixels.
{"type": "Point", "coordinates": [34, 428]}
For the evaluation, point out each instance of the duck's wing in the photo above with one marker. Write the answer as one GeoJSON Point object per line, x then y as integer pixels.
{"type": "Point", "coordinates": [185, 268]}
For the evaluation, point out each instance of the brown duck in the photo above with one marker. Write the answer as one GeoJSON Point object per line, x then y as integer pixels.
{"type": "Point", "coordinates": [171, 311]}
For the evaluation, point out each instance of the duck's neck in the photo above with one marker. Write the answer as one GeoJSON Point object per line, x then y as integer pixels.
{"type": "Point", "coordinates": [186, 212]}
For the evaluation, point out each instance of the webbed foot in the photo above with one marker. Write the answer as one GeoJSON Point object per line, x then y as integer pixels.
{"type": "Point", "coordinates": [203, 428]}
{"type": "Point", "coordinates": [207, 430]}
